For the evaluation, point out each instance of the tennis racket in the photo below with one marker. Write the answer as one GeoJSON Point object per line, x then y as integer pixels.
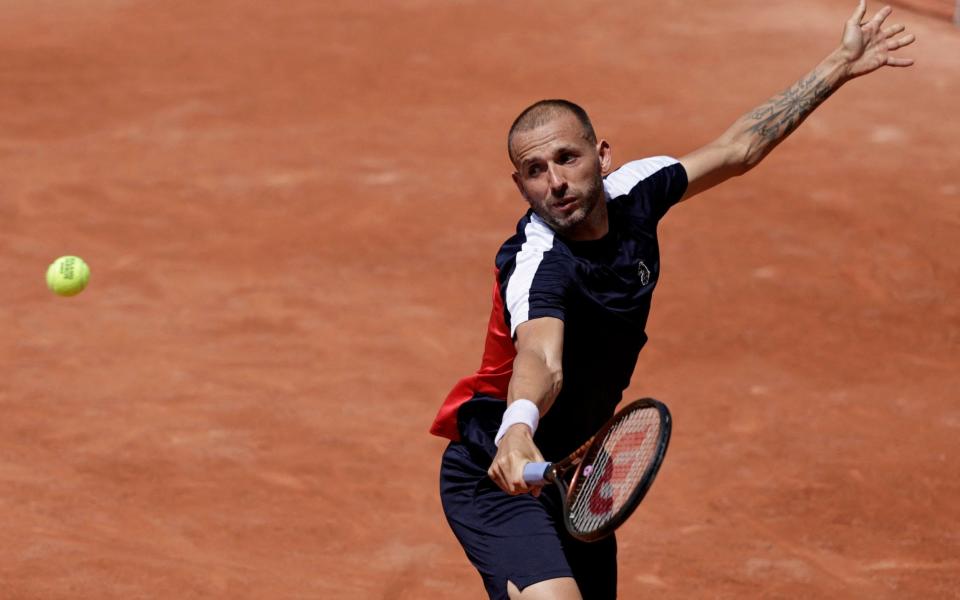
{"type": "Point", "coordinates": [612, 471]}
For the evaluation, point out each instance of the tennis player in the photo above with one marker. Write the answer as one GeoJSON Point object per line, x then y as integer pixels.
{"type": "Point", "coordinates": [570, 304]}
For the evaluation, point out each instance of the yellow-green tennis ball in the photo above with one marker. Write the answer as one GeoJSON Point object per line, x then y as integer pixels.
{"type": "Point", "coordinates": [68, 275]}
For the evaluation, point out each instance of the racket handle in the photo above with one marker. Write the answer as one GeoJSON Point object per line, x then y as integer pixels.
{"type": "Point", "coordinates": [534, 473]}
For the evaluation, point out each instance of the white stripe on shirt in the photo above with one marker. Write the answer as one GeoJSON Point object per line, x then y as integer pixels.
{"type": "Point", "coordinates": [539, 240]}
{"type": "Point", "coordinates": [625, 178]}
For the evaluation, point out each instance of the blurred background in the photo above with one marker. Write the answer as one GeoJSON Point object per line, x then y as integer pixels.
{"type": "Point", "coordinates": [291, 211]}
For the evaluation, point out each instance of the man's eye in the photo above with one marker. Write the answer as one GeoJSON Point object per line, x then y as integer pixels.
{"type": "Point", "coordinates": [533, 171]}
{"type": "Point", "coordinates": [566, 158]}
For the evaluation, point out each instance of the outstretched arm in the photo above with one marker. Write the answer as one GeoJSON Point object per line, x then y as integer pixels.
{"type": "Point", "coordinates": [866, 46]}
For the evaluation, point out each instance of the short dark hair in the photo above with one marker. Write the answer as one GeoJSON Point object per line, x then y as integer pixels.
{"type": "Point", "coordinates": [542, 112]}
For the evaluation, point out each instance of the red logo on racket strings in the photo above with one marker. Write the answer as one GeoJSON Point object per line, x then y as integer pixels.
{"type": "Point", "coordinates": [601, 500]}
{"type": "Point", "coordinates": [616, 472]}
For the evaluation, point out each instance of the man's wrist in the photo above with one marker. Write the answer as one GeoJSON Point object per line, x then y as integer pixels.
{"type": "Point", "coordinates": [836, 67]}
{"type": "Point", "coordinates": [519, 411]}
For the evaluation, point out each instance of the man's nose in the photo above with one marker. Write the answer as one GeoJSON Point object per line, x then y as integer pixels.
{"type": "Point", "coordinates": [557, 182]}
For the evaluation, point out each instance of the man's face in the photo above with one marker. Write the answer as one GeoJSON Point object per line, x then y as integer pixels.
{"type": "Point", "coordinates": [559, 172]}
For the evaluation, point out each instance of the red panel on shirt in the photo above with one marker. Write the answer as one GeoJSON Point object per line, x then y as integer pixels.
{"type": "Point", "coordinates": [492, 379]}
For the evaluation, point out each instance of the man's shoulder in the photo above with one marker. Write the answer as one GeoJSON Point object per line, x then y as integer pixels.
{"type": "Point", "coordinates": [621, 181]}
{"type": "Point", "coordinates": [533, 239]}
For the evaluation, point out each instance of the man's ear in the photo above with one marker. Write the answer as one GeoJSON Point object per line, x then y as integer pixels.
{"type": "Point", "coordinates": [516, 181]}
{"type": "Point", "coordinates": [606, 156]}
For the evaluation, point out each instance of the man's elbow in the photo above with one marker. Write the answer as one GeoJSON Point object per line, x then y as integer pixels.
{"type": "Point", "coordinates": [556, 381]}
{"type": "Point", "coordinates": [742, 158]}
{"type": "Point", "coordinates": [731, 157]}
{"type": "Point", "coordinates": [553, 377]}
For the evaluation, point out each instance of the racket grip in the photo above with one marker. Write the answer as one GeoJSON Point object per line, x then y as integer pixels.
{"type": "Point", "coordinates": [534, 473]}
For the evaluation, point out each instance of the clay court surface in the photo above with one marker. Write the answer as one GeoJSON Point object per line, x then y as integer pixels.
{"type": "Point", "coordinates": [291, 211]}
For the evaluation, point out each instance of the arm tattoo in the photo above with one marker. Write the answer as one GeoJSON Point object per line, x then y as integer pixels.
{"type": "Point", "coordinates": [782, 114]}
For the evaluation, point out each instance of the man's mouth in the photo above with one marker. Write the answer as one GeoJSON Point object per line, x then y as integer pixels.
{"type": "Point", "coordinates": [566, 204]}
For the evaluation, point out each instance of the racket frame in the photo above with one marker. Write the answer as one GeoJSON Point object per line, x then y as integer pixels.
{"type": "Point", "coordinates": [556, 471]}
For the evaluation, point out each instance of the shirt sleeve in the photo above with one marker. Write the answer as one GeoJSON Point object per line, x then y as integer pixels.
{"type": "Point", "coordinates": [537, 285]}
{"type": "Point", "coordinates": [647, 188]}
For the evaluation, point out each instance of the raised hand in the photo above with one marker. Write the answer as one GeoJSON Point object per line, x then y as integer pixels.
{"type": "Point", "coordinates": [867, 46]}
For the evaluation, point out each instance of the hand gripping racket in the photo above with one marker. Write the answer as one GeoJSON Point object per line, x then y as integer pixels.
{"type": "Point", "coordinates": [613, 470]}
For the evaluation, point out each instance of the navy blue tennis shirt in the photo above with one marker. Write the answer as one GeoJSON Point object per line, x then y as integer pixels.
{"type": "Point", "coordinates": [601, 290]}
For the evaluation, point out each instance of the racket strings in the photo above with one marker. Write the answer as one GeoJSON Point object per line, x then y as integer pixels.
{"type": "Point", "coordinates": [615, 469]}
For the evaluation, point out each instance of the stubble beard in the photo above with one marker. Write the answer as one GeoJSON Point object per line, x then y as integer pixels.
{"type": "Point", "coordinates": [568, 226]}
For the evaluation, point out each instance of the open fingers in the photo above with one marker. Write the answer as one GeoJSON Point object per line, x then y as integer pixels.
{"type": "Point", "coordinates": [893, 30]}
{"type": "Point", "coordinates": [899, 62]}
{"type": "Point", "coordinates": [880, 17]}
{"type": "Point", "coordinates": [901, 42]}
{"type": "Point", "coordinates": [861, 10]}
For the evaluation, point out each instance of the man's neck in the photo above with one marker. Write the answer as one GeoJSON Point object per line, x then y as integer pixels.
{"type": "Point", "coordinates": [594, 227]}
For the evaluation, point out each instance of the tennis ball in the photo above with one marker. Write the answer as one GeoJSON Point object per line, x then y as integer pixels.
{"type": "Point", "coordinates": [68, 275]}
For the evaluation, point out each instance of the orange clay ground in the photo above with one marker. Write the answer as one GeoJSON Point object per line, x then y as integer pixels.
{"type": "Point", "coordinates": [291, 211]}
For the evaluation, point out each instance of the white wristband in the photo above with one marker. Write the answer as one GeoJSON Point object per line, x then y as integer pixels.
{"type": "Point", "coordinates": [520, 410]}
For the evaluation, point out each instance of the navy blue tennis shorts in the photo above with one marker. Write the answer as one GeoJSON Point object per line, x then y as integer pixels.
{"type": "Point", "coordinates": [517, 538]}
